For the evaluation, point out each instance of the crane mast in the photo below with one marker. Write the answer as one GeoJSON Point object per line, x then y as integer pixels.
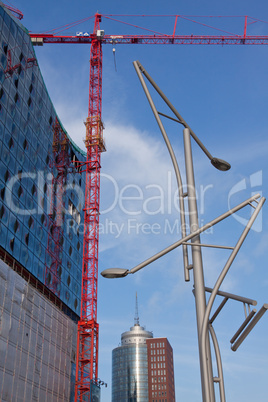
{"type": "Point", "coordinates": [88, 328]}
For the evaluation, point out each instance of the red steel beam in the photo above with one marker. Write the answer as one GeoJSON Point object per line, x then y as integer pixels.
{"type": "Point", "coordinates": [156, 39]}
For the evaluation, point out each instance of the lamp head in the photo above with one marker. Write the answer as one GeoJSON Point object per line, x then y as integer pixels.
{"type": "Point", "coordinates": [220, 164]}
{"type": "Point", "coordinates": [115, 273]}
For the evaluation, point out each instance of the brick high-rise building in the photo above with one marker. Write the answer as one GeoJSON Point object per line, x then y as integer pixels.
{"type": "Point", "coordinates": [161, 387]}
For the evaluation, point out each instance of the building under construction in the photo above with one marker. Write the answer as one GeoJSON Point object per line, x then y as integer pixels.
{"type": "Point", "coordinates": [42, 185]}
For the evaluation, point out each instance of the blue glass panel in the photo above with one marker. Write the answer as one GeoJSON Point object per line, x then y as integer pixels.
{"type": "Point", "coordinates": [12, 165]}
{"type": "Point", "coordinates": [11, 94]}
{"type": "Point", "coordinates": [9, 122]}
{"type": "Point", "coordinates": [41, 271]}
{"type": "Point", "coordinates": [5, 156]}
{"type": "Point", "coordinates": [23, 160]}
{"type": "Point", "coordinates": [24, 255]}
{"type": "Point", "coordinates": [2, 12]}
{"type": "Point", "coordinates": [11, 222]}
{"type": "Point", "coordinates": [30, 240]}
{"type": "Point", "coordinates": [65, 294]}
{"type": "Point", "coordinates": [19, 38]}
{"type": "Point", "coordinates": [5, 31]}
{"type": "Point", "coordinates": [71, 300]}
{"type": "Point", "coordinates": [3, 169]}
{"type": "Point", "coordinates": [38, 248]}
{"type": "Point", "coordinates": [30, 261]}
{"type": "Point", "coordinates": [35, 266]}
{"type": "Point", "coordinates": [24, 110]}
{"type": "Point", "coordinates": [10, 242]}
{"type": "Point", "coordinates": [1, 132]}
{"type": "Point", "coordinates": [30, 206]}
{"type": "Point", "coordinates": [16, 249]}
{"type": "Point", "coordinates": [43, 254]}
{"type": "Point", "coordinates": [4, 214]}
{"type": "Point", "coordinates": [3, 235]}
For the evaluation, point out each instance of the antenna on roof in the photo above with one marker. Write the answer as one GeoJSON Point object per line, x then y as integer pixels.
{"type": "Point", "coordinates": [136, 319]}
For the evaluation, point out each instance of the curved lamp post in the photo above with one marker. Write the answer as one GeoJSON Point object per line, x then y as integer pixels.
{"type": "Point", "coordinates": [202, 309]}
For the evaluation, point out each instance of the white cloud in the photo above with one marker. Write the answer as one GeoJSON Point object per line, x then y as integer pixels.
{"type": "Point", "coordinates": [134, 155]}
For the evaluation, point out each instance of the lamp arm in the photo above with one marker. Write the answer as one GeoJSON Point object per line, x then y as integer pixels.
{"type": "Point", "coordinates": [139, 67]}
{"type": "Point", "coordinates": [193, 234]}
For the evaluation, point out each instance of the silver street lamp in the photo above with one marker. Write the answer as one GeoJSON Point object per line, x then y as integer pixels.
{"type": "Point", "coordinates": [203, 309]}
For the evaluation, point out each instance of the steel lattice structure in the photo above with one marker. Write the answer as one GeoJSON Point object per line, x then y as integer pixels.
{"type": "Point", "coordinates": [61, 163]}
{"type": "Point", "coordinates": [88, 328]}
{"type": "Point", "coordinates": [155, 39]}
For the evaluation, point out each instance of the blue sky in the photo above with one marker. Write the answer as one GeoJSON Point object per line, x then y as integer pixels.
{"type": "Point", "coordinates": [222, 93]}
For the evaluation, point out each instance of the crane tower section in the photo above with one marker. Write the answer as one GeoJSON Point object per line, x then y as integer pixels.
{"type": "Point", "coordinates": [88, 328]}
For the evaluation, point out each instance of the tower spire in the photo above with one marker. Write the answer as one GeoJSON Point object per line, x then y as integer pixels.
{"type": "Point", "coordinates": [136, 318]}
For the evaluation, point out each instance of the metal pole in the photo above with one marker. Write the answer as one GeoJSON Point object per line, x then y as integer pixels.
{"type": "Point", "coordinates": [217, 286]}
{"type": "Point", "coordinates": [219, 363]}
{"type": "Point", "coordinates": [250, 326]}
{"type": "Point", "coordinates": [243, 326]}
{"type": "Point", "coordinates": [175, 166]}
{"type": "Point", "coordinates": [198, 274]}
{"type": "Point", "coordinates": [139, 67]}
{"type": "Point", "coordinates": [241, 299]}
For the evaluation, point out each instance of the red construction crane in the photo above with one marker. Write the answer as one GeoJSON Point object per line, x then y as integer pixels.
{"type": "Point", "coordinates": [88, 328]}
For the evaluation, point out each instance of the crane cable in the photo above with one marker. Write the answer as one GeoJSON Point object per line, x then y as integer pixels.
{"type": "Point", "coordinates": [114, 59]}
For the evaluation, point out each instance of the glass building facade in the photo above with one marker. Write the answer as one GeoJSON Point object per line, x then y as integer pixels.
{"type": "Point", "coordinates": [130, 367]}
{"type": "Point", "coordinates": [41, 182]}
